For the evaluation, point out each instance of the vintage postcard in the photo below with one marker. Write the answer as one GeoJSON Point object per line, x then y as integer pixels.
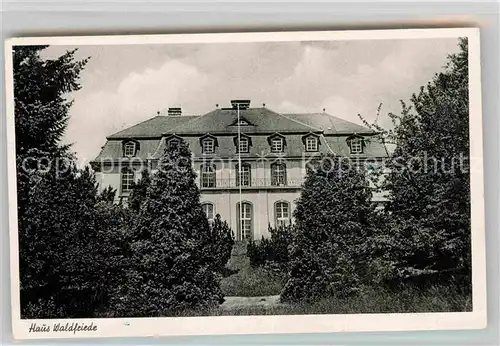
{"type": "Point", "coordinates": [246, 183]}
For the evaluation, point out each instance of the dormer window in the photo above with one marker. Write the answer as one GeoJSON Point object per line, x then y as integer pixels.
{"type": "Point", "coordinates": [173, 140]}
{"type": "Point", "coordinates": [243, 145]}
{"type": "Point", "coordinates": [129, 149]}
{"type": "Point", "coordinates": [311, 143]}
{"type": "Point", "coordinates": [356, 145]}
{"type": "Point", "coordinates": [277, 145]}
{"type": "Point", "coordinates": [241, 122]}
{"type": "Point", "coordinates": [208, 146]}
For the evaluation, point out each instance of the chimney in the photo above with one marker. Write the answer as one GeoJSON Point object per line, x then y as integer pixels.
{"type": "Point", "coordinates": [174, 111]}
{"type": "Point", "coordinates": [242, 104]}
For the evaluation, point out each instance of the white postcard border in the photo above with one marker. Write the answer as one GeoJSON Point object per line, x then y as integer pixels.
{"type": "Point", "coordinates": [278, 324]}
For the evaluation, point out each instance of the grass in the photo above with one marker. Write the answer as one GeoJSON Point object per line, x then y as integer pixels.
{"type": "Point", "coordinates": [247, 281]}
{"type": "Point", "coordinates": [255, 291]}
{"type": "Point", "coordinates": [372, 300]}
{"type": "Point", "coordinates": [251, 282]}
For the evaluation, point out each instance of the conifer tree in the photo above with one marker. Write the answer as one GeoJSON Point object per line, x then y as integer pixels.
{"type": "Point", "coordinates": [41, 109]}
{"type": "Point", "coordinates": [173, 271]}
{"type": "Point", "coordinates": [55, 199]}
{"type": "Point", "coordinates": [331, 224]}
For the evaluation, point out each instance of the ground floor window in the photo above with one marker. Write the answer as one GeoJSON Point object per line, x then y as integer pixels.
{"type": "Point", "coordinates": [245, 215]}
{"type": "Point", "coordinates": [282, 213]}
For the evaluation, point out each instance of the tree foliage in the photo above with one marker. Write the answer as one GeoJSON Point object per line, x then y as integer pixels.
{"type": "Point", "coordinates": [273, 252]}
{"type": "Point", "coordinates": [112, 253]}
{"type": "Point", "coordinates": [56, 235]}
{"type": "Point", "coordinates": [427, 219]}
{"type": "Point", "coordinates": [107, 195]}
{"type": "Point", "coordinates": [220, 243]}
{"type": "Point", "coordinates": [139, 190]}
{"type": "Point", "coordinates": [173, 271]}
{"type": "Point", "coordinates": [55, 199]}
{"type": "Point", "coordinates": [332, 221]}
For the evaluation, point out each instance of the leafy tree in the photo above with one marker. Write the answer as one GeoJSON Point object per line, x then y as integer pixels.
{"type": "Point", "coordinates": [139, 190]}
{"type": "Point", "coordinates": [427, 218]}
{"type": "Point", "coordinates": [107, 195]}
{"type": "Point", "coordinates": [173, 271]}
{"type": "Point", "coordinates": [332, 221]}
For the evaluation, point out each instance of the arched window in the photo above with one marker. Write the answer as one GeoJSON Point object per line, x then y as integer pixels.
{"type": "Point", "coordinates": [245, 221]}
{"type": "Point", "coordinates": [243, 175]}
{"type": "Point", "coordinates": [129, 149]}
{"type": "Point", "coordinates": [278, 174]}
{"type": "Point", "coordinates": [208, 208]}
{"type": "Point", "coordinates": [282, 213]}
{"type": "Point", "coordinates": [207, 176]}
{"type": "Point", "coordinates": [127, 179]}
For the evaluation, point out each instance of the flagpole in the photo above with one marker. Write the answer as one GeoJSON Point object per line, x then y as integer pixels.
{"type": "Point", "coordinates": [239, 171]}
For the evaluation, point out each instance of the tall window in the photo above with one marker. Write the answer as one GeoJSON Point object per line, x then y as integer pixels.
{"type": "Point", "coordinates": [208, 146]}
{"type": "Point", "coordinates": [278, 174]}
{"type": "Point", "coordinates": [243, 145]}
{"type": "Point", "coordinates": [311, 144]}
{"type": "Point", "coordinates": [277, 145]}
{"type": "Point", "coordinates": [282, 213]}
{"type": "Point", "coordinates": [207, 176]}
{"type": "Point", "coordinates": [356, 146]}
{"type": "Point", "coordinates": [244, 221]}
{"type": "Point", "coordinates": [208, 208]}
{"type": "Point", "coordinates": [129, 149]}
{"type": "Point", "coordinates": [243, 175]}
{"type": "Point", "coordinates": [127, 179]}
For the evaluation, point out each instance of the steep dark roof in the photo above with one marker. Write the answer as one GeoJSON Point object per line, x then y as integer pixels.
{"type": "Point", "coordinates": [328, 123]}
{"type": "Point", "coordinates": [153, 127]}
{"type": "Point", "coordinates": [333, 133]}
{"type": "Point", "coordinates": [262, 120]}
{"type": "Point", "coordinates": [294, 147]}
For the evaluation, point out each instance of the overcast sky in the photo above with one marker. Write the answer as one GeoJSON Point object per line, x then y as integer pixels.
{"type": "Point", "coordinates": [124, 85]}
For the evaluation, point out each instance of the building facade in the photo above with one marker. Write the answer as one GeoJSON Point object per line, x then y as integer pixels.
{"type": "Point", "coordinates": [250, 162]}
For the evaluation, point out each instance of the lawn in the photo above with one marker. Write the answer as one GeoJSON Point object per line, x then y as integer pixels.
{"type": "Point", "coordinates": [255, 291]}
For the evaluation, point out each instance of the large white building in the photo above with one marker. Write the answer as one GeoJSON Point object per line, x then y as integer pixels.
{"type": "Point", "coordinates": [273, 150]}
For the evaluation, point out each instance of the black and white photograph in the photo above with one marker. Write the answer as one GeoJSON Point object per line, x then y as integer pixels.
{"type": "Point", "coordinates": [246, 183]}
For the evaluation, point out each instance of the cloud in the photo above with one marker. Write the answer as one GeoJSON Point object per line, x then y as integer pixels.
{"type": "Point", "coordinates": [138, 97]}
{"type": "Point", "coordinates": [126, 85]}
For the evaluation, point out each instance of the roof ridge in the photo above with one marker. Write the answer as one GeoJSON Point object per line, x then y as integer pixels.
{"type": "Point", "coordinates": [300, 122]}
{"type": "Point", "coordinates": [198, 118]}
{"type": "Point", "coordinates": [128, 127]}
{"type": "Point", "coordinates": [333, 116]}
{"type": "Point", "coordinates": [149, 119]}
